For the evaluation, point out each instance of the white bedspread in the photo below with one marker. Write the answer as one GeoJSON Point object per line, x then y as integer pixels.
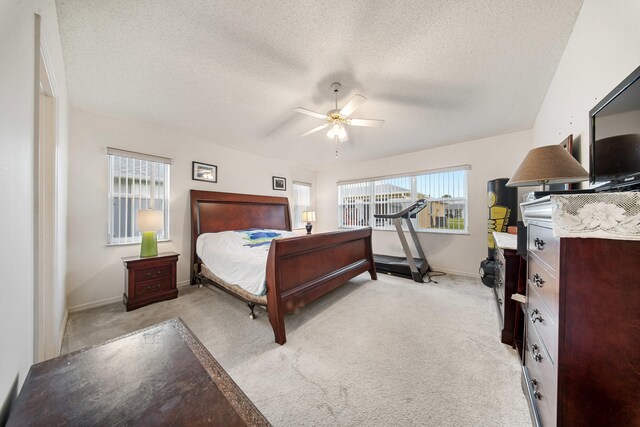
{"type": "Point", "coordinates": [239, 257]}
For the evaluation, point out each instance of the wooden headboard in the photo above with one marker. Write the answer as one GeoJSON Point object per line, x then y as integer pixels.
{"type": "Point", "coordinates": [213, 211]}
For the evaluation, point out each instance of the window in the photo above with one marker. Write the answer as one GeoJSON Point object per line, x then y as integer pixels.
{"type": "Point", "coordinates": [444, 189]}
{"type": "Point", "coordinates": [136, 181]}
{"type": "Point", "coordinates": [301, 202]}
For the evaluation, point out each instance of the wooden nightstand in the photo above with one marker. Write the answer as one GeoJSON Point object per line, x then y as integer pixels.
{"type": "Point", "coordinates": [148, 280]}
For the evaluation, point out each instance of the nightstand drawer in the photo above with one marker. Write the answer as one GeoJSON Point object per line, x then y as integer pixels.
{"type": "Point", "coordinates": [151, 287]}
{"type": "Point", "coordinates": [153, 273]}
{"type": "Point", "coordinates": [544, 245]}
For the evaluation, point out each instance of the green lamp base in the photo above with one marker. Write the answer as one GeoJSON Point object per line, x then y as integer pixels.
{"type": "Point", "coordinates": [149, 246]}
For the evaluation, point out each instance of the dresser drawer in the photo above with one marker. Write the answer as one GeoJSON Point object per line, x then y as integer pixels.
{"type": "Point", "coordinates": [545, 282]}
{"type": "Point", "coordinates": [152, 273]}
{"type": "Point", "coordinates": [542, 244]}
{"type": "Point", "coordinates": [543, 322]}
{"type": "Point", "coordinates": [541, 400]}
{"type": "Point", "coordinates": [153, 286]}
{"type": "Point", "coordinates": [540, 361]}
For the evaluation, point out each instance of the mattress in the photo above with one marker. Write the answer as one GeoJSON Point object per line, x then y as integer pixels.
{"type": "Point", "coordinates": [239, 257]}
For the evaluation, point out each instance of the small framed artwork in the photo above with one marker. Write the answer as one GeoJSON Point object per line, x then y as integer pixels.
{"type": "Point", "coordinates": [204, 172]}
{"type": "Point", "coordinates": [279, 183]}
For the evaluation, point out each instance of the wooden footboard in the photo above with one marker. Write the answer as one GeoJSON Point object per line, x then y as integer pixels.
{"type": "Point", "coordinates": [301, 269]}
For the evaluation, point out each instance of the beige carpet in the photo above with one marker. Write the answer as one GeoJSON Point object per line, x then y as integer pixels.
{"type": "Point", "coordinates": [391, 352]}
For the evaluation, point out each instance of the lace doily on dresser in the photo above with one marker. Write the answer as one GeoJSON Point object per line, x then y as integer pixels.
{"type": "Point", "coordinates": [600, 215]}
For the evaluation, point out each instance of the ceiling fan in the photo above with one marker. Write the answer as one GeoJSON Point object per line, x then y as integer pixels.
{"type": "Point", "coordinates": [338, 119]}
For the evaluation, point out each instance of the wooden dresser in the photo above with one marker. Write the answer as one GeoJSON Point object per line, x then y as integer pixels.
{"type": "Point", "coordinates": [508, 264]}
{"type": "Point", "coordinates": [581, 363]}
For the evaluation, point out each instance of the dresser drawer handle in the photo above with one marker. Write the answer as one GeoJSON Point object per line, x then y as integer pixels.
{"type": "Point", "coordinates": [153, 287]}
{"type": "Point", "coordinates": [535, 316]}
{"type": "Point", "coordinates": [152, 274]}
{"type": "Point", "coordinates": [535, 350]}
{"type": "Point", "coordinates": [536, 393]}
{"type": "Point", "coordinates": [537, 280]}
{"type": "Point", "coordinates": [539, 244]}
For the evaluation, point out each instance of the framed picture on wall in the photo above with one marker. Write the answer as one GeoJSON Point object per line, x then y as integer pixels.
{"type": "Point", "coordinates": [204, 172]}
{"type": "Point", "coordinates": [279, 183]}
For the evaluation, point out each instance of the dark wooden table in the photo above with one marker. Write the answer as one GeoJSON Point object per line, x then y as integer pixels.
{"type": "Point", "coordinates": [161, 375]}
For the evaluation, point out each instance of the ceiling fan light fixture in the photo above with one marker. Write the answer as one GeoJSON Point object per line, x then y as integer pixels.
{"type": "Point", "coordinates": [336, 130]}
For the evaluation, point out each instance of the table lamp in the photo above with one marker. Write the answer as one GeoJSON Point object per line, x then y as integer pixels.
{"type": "Point", "coordinates": [149, 222]}
{"type": "Point", "coordinates": [309, 216]}
{"type": "Point", "coordinates": [551, 164]}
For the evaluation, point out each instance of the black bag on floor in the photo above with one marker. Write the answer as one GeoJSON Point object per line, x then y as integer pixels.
{"type": "Point", "coordinates": [487, 272]}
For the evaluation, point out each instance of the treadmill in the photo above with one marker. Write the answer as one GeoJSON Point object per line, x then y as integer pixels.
{"type": "Point", "coordinates": [408, 266]}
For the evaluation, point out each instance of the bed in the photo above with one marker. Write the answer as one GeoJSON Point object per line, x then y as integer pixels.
{"type": "Point", "coordinates": [298, 269]}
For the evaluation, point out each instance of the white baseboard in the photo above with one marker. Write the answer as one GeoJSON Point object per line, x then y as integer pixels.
{"type": "Point", "coordinates": [63, 329]}
{"type": "Point", "coordinates": [184, 284]}
{"type": "Point", "coordinates": [457, 273]}
{"type": "Point", "coordinates": [94, 304]}
{"type": "Point", "coordinates": [111, 300]}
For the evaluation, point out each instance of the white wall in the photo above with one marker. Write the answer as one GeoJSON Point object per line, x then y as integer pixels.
{"type": "Point", "coordinates": [95, 270]}
{"type": "Point", "coordinates": [490, 158]}
{"type": "Point", "coordinates": [602, 50]}
{"type": "Point", "coordinates": [17, 41]}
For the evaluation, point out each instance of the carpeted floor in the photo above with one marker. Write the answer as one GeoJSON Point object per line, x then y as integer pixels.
{"type": "Point", "coordinates": [377, 353]}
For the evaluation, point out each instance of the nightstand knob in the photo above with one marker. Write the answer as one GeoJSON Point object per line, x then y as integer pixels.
{"type": "Point", "coordinates": [539, 244]}
{"type": "Point", "coordinates": [537, 394]}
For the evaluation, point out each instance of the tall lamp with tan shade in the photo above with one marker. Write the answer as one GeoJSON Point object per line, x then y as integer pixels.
{"type": "Point", "coordinates": [550, 164]}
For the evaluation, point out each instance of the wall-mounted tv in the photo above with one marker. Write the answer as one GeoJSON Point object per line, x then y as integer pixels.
{"type": "Point", "coordinates": [614, 150]}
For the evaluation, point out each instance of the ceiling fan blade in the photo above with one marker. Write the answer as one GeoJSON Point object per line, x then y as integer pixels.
{"type": "Point", "coordinates": [310, 113]}
{"type": "Point", "coordinates": [314, 130]}
{"type": "Point", "coordinates": [352, 105]}
{"type": "Point", "coordinates": [366, 122]}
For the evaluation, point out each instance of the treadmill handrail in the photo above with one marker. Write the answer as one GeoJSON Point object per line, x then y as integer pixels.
{"type": "Point", "coordinates": [418, 205]}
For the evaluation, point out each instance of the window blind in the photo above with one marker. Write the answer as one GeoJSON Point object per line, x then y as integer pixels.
{"type": "Point", "coordinates": [444, 189]}
{"type": "Point", "coordinates": [136, 181]}
{"type": "Point", "coordinates": [301, 202]}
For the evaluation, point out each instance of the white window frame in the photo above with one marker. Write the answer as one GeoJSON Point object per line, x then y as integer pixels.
{"type": "Point", "coordinates": [149, 191]}
{"type": "Point", "coordinates": [359, 200]}
{"type": "Point", "coordinates": [301, 203]}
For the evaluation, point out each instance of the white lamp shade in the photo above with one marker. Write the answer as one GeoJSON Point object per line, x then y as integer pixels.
{"type": "Point", "coordinates": [150, 220]}
{"type": "Point", "coordinates": [308, 216]}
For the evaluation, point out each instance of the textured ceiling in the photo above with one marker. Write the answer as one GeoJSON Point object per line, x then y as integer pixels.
{"type": "Point", "coordinates": [438, 72]}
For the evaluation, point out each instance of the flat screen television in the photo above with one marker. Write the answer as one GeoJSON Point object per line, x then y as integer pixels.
{"type": "Point", "coordinates": [614, 149]}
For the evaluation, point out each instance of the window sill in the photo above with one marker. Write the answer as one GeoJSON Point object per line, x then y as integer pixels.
{"type": "Point", "coordinates": [133, 243]}
{"type": "Point", "coordinates": [455, 233]}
